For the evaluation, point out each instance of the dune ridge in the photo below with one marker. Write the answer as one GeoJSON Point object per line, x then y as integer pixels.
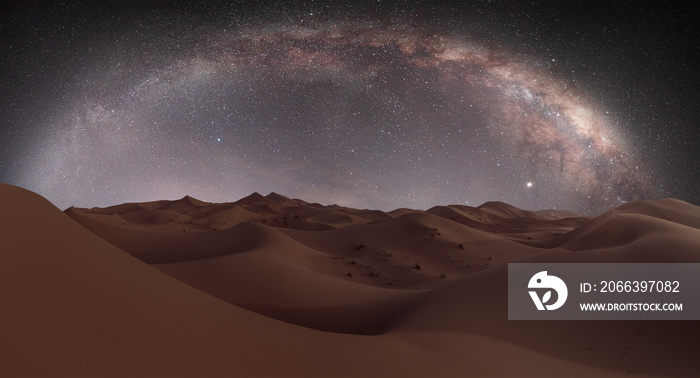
{"type": "Point", "coordinates": [274, 286]}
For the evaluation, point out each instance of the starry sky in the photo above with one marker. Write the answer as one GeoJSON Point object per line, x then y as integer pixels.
{"type": "Point", "coordinates": [577, 106]}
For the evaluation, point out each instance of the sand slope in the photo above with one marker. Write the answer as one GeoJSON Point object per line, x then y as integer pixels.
{"type": "Point", "coordinates": [272, 286]}
{"type": "Point", "coordinates": [73, 305]}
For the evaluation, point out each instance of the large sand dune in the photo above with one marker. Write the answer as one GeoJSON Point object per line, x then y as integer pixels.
{"type": "Point", "coordinates": [273, 286]}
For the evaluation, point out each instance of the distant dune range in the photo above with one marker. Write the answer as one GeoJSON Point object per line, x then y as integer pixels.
{"type": "Point", "coordinates": [273, 286]}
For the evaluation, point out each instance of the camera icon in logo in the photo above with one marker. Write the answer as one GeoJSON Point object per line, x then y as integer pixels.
{"type": "Point", "coordinates": [542, 281]}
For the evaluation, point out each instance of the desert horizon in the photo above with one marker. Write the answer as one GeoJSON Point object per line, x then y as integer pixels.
{"type": "Point", "coordinates": [273, 286]}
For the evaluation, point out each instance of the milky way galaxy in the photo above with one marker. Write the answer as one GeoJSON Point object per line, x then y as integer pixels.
{"type": "Point", "coordinates": [363, 112]}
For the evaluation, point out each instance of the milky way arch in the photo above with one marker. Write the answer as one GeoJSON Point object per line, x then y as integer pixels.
{"type": "Point", "coordinates": [361, 115]}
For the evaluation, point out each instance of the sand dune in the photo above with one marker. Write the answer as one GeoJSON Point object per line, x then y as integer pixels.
{"type": "Point", "coordinates": [74, 305]}
{"type": "Point", "coordinates": [475, 305]}
{"type": "Point", "coordinates": [273, 286]}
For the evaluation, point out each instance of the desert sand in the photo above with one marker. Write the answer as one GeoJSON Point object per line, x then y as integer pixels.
{"type": "Point", "coordinates": [273, 286]}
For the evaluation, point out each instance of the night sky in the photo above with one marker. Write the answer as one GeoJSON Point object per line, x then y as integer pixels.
{"type": "Point", "coordinates": [578, 106]}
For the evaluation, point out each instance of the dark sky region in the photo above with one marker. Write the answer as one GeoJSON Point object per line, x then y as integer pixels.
{"type": "Point", "coordinates": [569, 105]}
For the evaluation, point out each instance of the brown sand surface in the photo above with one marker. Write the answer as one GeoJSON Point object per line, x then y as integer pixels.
{"type": "Point", "coordinates": [273, 286]}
